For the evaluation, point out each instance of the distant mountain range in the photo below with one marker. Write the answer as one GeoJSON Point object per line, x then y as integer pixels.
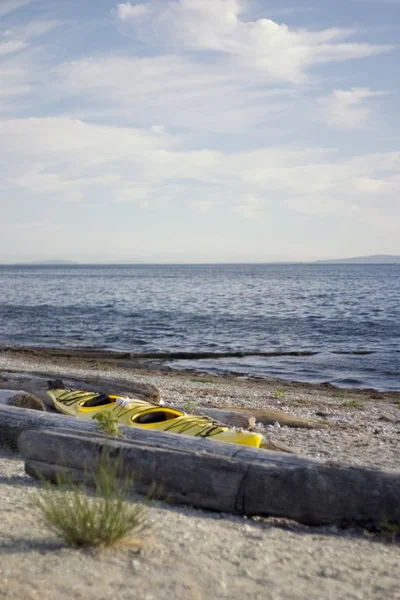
{"type": "Point", "coordinates": [53, 262]}
{"type": "Point", "coordinates": [376, 259]}
{"type": "Point", "coordinates": [373, 259]}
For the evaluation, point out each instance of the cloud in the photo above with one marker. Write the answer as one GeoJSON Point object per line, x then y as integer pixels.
{"type": "Point", "coordinates": [346, 109]}
{"type": "Point", "coordinates": [68, 160]}
{"type": "Point", "coordinates": [362, 190]}
{"type": "Point", "coordinates": [127, 11]}
{"type": "Point", "coordinates": [17, 38]}
{"type": "Point", "coordinates": [208, 129]}
{"type": "Point", "coordinates": [9, 47]}
{"type": "Point", "coordinates": [9, 6]}
{"type": "Point", "coordinates": [20, 75]}
{"type": "Point", "coordinates": [144, 91]}
{"type": "Point", "coordinates": [278, 51]}
{"type": "Point", "coordinates": [23, 62]}
{"type": "Point", "coordinates": [250, 207]}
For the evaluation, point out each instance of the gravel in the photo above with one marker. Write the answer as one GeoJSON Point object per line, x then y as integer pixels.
{"type": "Point", "coordinates": [192, 554]}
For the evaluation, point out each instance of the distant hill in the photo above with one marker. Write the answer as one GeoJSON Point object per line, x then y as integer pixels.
{"type": "Point", "coordinates": [375, 259]}
{"type": "Point", "coordinates": [53, 262]}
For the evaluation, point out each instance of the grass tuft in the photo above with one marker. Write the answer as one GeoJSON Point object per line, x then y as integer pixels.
{"type": "Point", "coordinates": [390, 529]}
{"type": "Point", "coordinates": [100, 367]}
{"type": "Point", "coordinates": [202, 379]}
{"type": "Point", "coordinates": [354, 404]}
{"type": "Point", "coordinates": [84, 519]}
{"type": "Point", "coordinates": [189, 407]}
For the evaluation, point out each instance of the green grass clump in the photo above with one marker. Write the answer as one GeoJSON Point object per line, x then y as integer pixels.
{"type": "Point", "coordinates": [86, 519]}
{"type": "Point", "coordinates": [107, 423]}
{"type": "Point", "coordinates": [354, 404]}
{"type": "Point", "coordinates": [189, 407]}
{"type": "Point", "coordinates": [279, 393]}
{"type": "Point", "coordinates": [390, 529]}
{"type": "Point", "coordinates": [202, 379]}
{"type": "Point", "coordinates": [8, 446]}
{"type": "Point", "coordinates": [100, 367]}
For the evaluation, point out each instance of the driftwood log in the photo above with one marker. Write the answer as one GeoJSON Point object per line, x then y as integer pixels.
{"type": "Point", "coordinates": [240, 417]}
{"type": "Point", "coordinates": [14, 421]}
{"type": "Point", "coordinates": [223, 477]}
{"type": "Point", "coordinates": [36, 382]}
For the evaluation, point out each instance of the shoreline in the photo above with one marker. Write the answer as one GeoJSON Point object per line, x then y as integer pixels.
{"type": "Point", "coordinates": [157, 362]}
{"type": "Point", "coordinates": [365, 424]}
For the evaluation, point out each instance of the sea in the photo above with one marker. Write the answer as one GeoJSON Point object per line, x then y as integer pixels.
{"type": "Point", "coordinates": [320, 323]}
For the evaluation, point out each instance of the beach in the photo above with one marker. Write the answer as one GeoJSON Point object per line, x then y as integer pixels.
{"type": "Point", "coordinates": [196, 554]}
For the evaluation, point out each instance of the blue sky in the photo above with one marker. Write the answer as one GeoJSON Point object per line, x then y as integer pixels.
{"type": "Point", "coordinates": [199, 130]}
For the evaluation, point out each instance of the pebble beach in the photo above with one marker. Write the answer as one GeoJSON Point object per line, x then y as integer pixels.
{"type": "Point", "coordinates": [191, 553]}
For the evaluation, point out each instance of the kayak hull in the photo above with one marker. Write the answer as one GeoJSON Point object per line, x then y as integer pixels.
{"type": "Point", "coordinates": [134, 412]}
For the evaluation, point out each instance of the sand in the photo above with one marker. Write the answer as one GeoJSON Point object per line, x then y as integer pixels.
{"type": "Point", "coordinates": [196, 554]}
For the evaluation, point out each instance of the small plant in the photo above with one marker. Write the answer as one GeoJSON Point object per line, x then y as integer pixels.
{"type": "Point", "coordinates": [189, 407]}
{"type": "Point", "coordinates": [390, 528]}
{"type": "Point", "coordinates": [279, 393]}
{"type": "Point", "coordinates": [339, 394]}
{"type": "Point", "coordinates": [8, 446]}
{"type": "Point", "coordinates": [100, 367]}
{"type": "Point", "coordinates": [84, 520]}
{"type": "Point", "coordinates": [397, 402]}
{"type": "Point", "coordinates": [354, 404]}
{"type": "Point", "coordinates": [107, 423]}
{"type": "Point", "coordinates": [202, 379]}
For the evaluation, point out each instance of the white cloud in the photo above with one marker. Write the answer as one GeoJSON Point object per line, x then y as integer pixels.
{"type": "Point", "coordinates": [202, 207]}
{"type": "Point", "coordinates": [70, 160]}
{"type": "Point", "coordinates": [147, 90]}
{"type": "Point", "coordinates": [9, 47]}
{"type": "Point", "coordinates": [362, 190]}
{"type": "Point", "coordinates": [23, 34]}
{"type": "Point", "coordinates": [346, 109]}
{"type": "Point", "coordinates": [9, 6]}
{"type": "Point", "coordinates": [127, 11]}
{"type": "Point", "coordinates": [249, 207]}
{"type": "Point", "coordinates": [19, 75]}
{"type": "Point", "coordinates": [199, 127]}
{"type": "Point", "coordinates": [280, 52]}
{"type": "Point", "coordinates": [23, 62]}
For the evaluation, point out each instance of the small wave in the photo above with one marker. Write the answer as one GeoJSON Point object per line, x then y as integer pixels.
{"type": "Point", "coordinates": [216, 355]}
{"type": "Point", "coordinates": [349, 381]}
{"type": "Point", "coordinates": [354, 352]}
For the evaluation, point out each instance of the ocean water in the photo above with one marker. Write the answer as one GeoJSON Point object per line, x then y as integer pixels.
{"type": "Point", "coordinates": [347, 315]}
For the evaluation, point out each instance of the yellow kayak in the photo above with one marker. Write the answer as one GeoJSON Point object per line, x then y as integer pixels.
{"type": "Point", "coordinates": [139, 413]}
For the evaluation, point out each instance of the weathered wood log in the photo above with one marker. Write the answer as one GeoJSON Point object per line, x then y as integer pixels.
{"type": "Point", "coordinates": [36, 382]}
{"type": "Point", "coordinates": [239, 417]}
{"type": "Point", "coordinates": [247, 481]}
{"type": "Point", "coordinates": [14, 421]}
{"type": "Point", "coordinates": [270, 417]}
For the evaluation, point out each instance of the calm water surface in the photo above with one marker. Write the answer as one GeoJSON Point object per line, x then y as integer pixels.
{"type": "Point", "coordinates": [333, 310]}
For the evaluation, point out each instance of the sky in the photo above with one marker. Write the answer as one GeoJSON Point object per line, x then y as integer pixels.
{"type": "Point", "coordinates": [199, 130]}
